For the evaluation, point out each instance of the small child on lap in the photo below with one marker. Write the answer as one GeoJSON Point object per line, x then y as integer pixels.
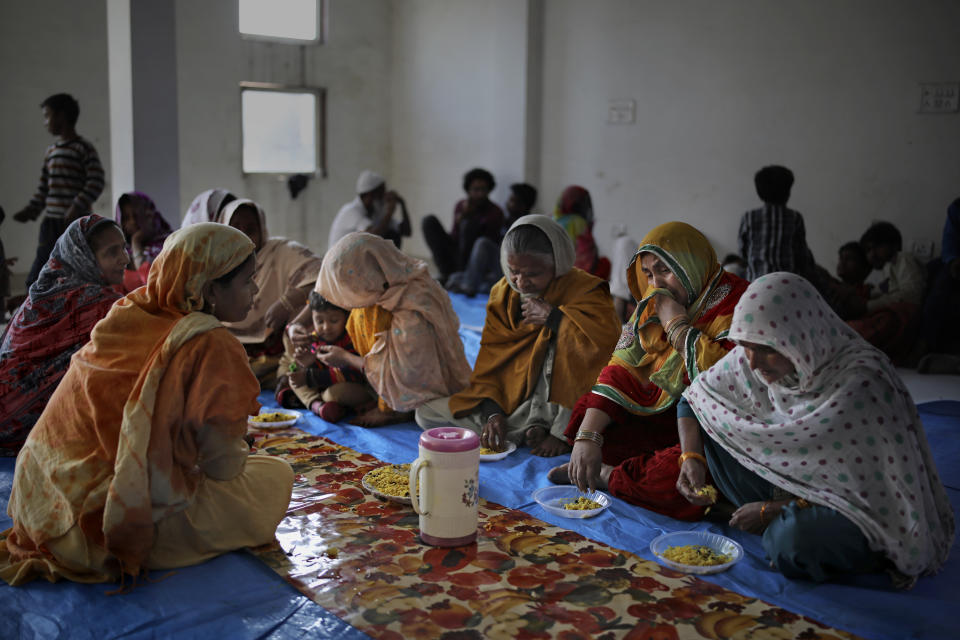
{"type": "Point", "coordinates": [305, 381]}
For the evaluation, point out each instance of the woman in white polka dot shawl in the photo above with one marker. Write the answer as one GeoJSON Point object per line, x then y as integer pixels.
{"type": "Point", "coordinates": [810, 431]}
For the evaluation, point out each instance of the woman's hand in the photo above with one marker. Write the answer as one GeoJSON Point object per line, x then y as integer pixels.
{"type": "Point", "coordinates": [334, 356]}
{"type": "Point", "coordinates": [299, 335]}
{"type": "Point", "coordinates": [753, 517]}
{"type": "Point", "coordinates": [277, 316]}
{"type": "Point", "coordinates": [693, 476]}
{"type": "Point", "coordinates": [492, 434]}
{"type": "Point", "coordinates": [668, 309]}
{"type": "Point", "coordinates": [535, 311]}
{"type": "Point", "coordinates": [584, 466]}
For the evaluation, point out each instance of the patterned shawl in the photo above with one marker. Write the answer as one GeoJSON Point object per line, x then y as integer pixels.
{"type": "Point", "coordinates": [205, 207]}
{"type": "Point", "coordinates": [421, 357]}
{"type": "Point", "coordinates": [842, 431]}
{"type": "Point", "coordinates": [646, 374]}
{"type": "Point", "coordinates": [281, 265]}
{"type": "Point", "coordinates": [512, 351]}
{"type": "Point", "coordinates": [68, 298]}
{"type": "Point", "coordinates": [121, 478]}
{"type": "Point", "coordinates": [575, 213]}
{"type": "Point", "coordinates": [155, 228]}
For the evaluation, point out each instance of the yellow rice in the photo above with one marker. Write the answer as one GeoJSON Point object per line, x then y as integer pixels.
{"type": "Point", "coordinates": [583, 503]}
{"type": "Point", "coordinates": [391, 480]}
{"type": "Point", "coordinates": [273, 417]}
{"type": "Point", "coordinates": [709, 491]}
{"type": "Point", "coordinates": [695, 555]}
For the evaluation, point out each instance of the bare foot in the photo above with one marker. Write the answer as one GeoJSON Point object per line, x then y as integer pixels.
{"type": "Point", "coordinates": [378, 418]}
{"type": "Point", "coordinates": [551, 446]}
{"type": "Point", "coordinates": [534, 436]}
{"type": "Point", "coordinates": [559, 475]}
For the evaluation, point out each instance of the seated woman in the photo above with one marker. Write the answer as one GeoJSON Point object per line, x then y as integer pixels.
{"type": "Point", "coordinates": [811, 433]}
{"type": "Point", "coordinates": [139, 461]}
{"type": "Point", "coordinates": [206, 207]}
{"type": "Point", "coordinates": [549, 329]}
{"type": "Point", "coordinates": [285, 273]}
{"type": "Point", "coordinates": [575, 212]}
{"type": "Point", "coordinates": [401, 324]}
{"type": "Point", "coordinates": [145, 229]}
{"type": "Point", "coordinates": [76, 288]}
{"type": "Point", "coordinates": [624, 431]}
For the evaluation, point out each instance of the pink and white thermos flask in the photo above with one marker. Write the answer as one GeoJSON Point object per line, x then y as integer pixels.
{"type": "Point", "coordinates": [447, 472]}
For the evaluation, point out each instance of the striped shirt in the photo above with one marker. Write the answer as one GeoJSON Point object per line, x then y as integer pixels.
{"type": "Point", "coordinates": [773, 238]}
{"type": "Point", "coordinates": [71, 174]}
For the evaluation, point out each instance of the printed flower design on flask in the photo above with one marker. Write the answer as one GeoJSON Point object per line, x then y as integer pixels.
{"type": "Point", "coordinates": [470, 495]}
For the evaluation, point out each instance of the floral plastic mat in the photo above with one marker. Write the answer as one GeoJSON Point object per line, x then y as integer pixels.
{"type": "Point", "coordinates": [361, 559]}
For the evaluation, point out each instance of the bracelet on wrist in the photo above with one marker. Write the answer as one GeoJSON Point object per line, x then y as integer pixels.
{"type": "Point", "coordinates": [589, 436]}
{"type": "Point", "coordinates": [763, 510]}
{"type": "Point", "coordinates": [686, 455]}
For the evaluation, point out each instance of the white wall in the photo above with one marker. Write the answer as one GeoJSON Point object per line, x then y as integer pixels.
{"type": "Point", "coordinates": [353, 64]}
{"type": "Point", "coordinates": [47, 47]}
{"type": "Point", "coordinates": [459, 78]}
{"type": "Point", "coordinates": [830, 89]}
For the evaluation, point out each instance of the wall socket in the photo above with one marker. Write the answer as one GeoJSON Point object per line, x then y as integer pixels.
{"type": "Point", "coordinates": [923, 249]}
{"type": "Point", "coordinates": [621, 111]}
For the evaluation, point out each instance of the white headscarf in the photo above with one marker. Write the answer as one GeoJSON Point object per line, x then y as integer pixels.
{"type": "Point", "coordinates": [842, 431]}
{"type": "Point", "coordinates": [563, 251]}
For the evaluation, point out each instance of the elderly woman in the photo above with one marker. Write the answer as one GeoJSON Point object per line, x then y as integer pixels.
{"type": "Point", "coordinates": [145, 229]}
{"type": "Point", "coordinates": [624, 431]}
{"type": "Point", "coordinates": [285, 273]}
{"type": "Point", "coordinates": [549, 329]}
{"type": "Point", "coordinates": [812, 435]}
{"type": "Point", "coordinates": [401, 324]}
{"type": "Point", "coordinates": [139, 462]}
{"type": "Point", "coordinates": [76, 288]}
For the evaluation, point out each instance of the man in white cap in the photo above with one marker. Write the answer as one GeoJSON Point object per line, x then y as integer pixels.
{"type": "Point", "coordinates": [371, 211]}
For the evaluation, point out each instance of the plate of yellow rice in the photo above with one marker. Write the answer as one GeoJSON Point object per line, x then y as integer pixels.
{"type": "Point", "coordinates": [273, 419]}
{"type": "Point", "coordinates": [567, 501]}
{"type": "Point", "coordinates": [699, 552]}
{"type": "Point", "coordinates": [489, 455]}
{"type": "Point", "coordinates": [389, 482]}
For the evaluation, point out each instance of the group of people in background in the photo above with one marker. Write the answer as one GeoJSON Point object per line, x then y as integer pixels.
{"type": "Point", "coordinates": [130, 415]}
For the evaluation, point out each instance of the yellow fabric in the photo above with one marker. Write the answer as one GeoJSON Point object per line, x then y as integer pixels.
{"type": "Point", "coordinates": [512, 352]}
{"type": "Point", "coordinates": [644, 351]}
{"type": "Point", "coordinates": [156, 401]}
{"type": "Point", "coordinates": [364, 325]}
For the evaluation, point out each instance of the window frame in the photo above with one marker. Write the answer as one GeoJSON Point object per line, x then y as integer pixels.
{"type": "Point", "coordinates": [320, 131]}
{"type": "Point", "coordinates": [321, 29]}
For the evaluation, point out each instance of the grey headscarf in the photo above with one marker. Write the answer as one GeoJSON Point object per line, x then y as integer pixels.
{"type": "Point", "coordinates": [563, 251]}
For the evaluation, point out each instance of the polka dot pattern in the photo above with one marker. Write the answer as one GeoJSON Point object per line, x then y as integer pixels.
{"type": "Point", "coordinates": [840, 432]}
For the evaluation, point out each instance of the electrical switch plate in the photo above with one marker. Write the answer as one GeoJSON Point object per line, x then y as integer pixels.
{"type": "Point", "coordinates": [939, 97]}
{"type": "Point", "coordinates": [621, 112]}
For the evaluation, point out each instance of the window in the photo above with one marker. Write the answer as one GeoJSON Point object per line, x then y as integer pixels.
{"type": "Point", "coordinates": [282, 129]}
{"type": "Point", "coordinates": [281, 19]}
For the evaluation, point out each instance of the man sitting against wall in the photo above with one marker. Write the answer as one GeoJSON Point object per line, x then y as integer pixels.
{"type": "Point", "coordinates": [372, 211]}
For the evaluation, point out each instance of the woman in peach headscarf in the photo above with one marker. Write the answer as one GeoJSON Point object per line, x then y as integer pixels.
{"type": "Point", "coordinates": [624, 430]}
{"type": "Point", "coordinates": [286, 271]}
{"type": "Point", "coordinates": [402, 325]}
{"type": "Point", "coordinates": [138, 461]}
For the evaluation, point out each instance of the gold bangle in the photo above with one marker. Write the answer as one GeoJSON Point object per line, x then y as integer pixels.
{"type": "Point", "coordinates": [686, 455]}
{"type": "Point", "coordinates": [763, 510]}
{"type": "Point", "coordinates": [591, 436]}
{"type": "Point", "coordinates": [801, 503]}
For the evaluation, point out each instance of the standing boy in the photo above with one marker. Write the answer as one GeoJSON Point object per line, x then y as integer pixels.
{"type": "Point", "coordinates": [70, 182]}
{"type": "Point", "coordinates": [773, 237]}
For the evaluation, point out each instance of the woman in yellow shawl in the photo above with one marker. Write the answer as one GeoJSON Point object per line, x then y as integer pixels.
{"type": "Point", "coordinates": [549, 329]}
{"type": "Point", "coordinates": [286, 272]}
{"type": "Point", "coordinates": [401, 323]}
{"type": "Point", "coordinates": [624, 431]}
{"type": "Point", "coordinates": [138, 461]}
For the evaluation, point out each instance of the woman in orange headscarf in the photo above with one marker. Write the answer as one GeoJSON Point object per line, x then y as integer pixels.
{"type": "Point", "coordinates": [139, 460]}
{"type": "Point", "coordinates": [624, 431]}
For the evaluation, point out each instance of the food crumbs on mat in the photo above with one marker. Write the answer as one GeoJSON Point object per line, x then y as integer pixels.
{"type": "Point", "coordinates": [391, 480]}
{"type": "Point", "coordinates": [582, 503]}
{"type": "Point", "coordinates": [695, 555]}
{"type": "Point", "coordinates": [708, 491]}
{"type": "Point", "coordinates": [273, 417]}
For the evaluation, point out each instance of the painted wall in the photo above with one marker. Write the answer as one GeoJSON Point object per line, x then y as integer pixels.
{"type": "Point", "coordinates": [353, 64]}
{"type": "Point", "coordinates": [459, 77]}
{"type": "Point", "coordinates": [47, 47]}
{"type": "Point", "coordinates": [830, 89]}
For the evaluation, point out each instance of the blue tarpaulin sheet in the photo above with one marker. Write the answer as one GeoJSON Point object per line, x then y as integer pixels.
{"type": "Point", "coordinates": [236, 596]}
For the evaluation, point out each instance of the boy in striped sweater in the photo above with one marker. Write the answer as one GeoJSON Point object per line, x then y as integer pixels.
{"type": "Point", "coordinates": [70, 182]}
